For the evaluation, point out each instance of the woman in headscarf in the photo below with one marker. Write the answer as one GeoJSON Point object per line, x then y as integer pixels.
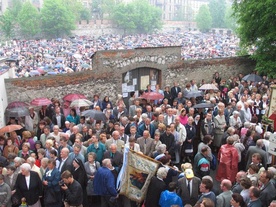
{"type": "Point", "coordinates": [79, 174]}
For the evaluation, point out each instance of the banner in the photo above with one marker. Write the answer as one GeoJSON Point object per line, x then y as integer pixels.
{"type": "Point", "coordinates": [135, 175]}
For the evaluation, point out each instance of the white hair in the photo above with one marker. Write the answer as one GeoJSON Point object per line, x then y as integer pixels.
{"type": "Point", "coordinates": [26, 166]}
{"type": "Point", "coordinates": [162, 172]}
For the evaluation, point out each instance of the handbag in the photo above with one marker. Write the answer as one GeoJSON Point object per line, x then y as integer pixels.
{"type": "Point", "coordinates": [90, 188]}
{"type": "Point", "coordinates": [15, 200]}
{"type": "Point", "coordinates": [50, 196]}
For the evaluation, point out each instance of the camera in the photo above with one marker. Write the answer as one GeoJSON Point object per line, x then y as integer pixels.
{"type": "Point", "coordinates": [61, 183]}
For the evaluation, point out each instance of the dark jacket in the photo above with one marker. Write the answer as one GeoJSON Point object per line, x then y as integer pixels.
{"type": "Point", "coordinates": [155, 189]}
{"type": "Point", "coordinates": [35, 189]}
{"type": "Point", "coordinates": [74, 195]}
{"type": "Point", "coordinates": [53, 179]}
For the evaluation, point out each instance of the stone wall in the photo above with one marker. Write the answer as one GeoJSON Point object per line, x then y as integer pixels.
{"type": "Point", "coordinates": [105, 78]}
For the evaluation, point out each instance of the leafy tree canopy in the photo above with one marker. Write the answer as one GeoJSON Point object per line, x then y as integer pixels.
{"type": "Point", "coordinates": [217, 9]}
{"type": "Point", "coordinates": [256, 29]}
{"type": "Point", "coordinates": [7, 23]}
{"type": "Point", "coordinates": [57, 20]}
{"type": "Point", "coordinates": [29, 20]}
{"type": "Point", "coordinates": [204, 19]}
{"type": "Point", "coordinates": [137, 16]}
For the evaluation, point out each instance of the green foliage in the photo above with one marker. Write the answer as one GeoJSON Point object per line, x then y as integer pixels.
{"type": "Point", "coordinates": [29, 20]}
{"type": "Point", "coordinates": [256, 20]}
{"type": "Point", "coordinates": [217, 9]}
{"type": "Point", "coordinates": [138, 16]}
{"type": "Point", "coordinates": [85, 14]}
{"type": "Point", "coordinates": [74, 8]}
{"type": "Point", "coordinates": [16, 8]}
{"type": "Point", "coordinates": [7, 24]}
{"type": "Point", "coordinates": [204, 19]}
{"type": "Point", "coordinates": [57, 20]}
{"type": "Point", "coordinates": [229, 19]}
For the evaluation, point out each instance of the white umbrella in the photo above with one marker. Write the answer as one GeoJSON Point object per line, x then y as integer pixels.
{"type": "Point", "coordinates": [208, 86]}
{"type": "Point", "coordinates": [81, 103]}
{"type": "Point", "coordinates": [78, 56]}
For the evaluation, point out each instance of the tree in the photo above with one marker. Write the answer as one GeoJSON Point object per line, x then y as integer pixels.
{"type": "Point", "coordinates": [204, 19]}
{"type": "Point", "coordinates": [74, 8]}
{"type": "Point", "coordinates": [56, 20]}
{"type": "Point", "coordinates": [256, 29]}
{"type": "Point", "coordinates": [217, 9]}
{"type": "Point", "coordinates": [229, 19]}
{"type": "Point", "coordinates": [29, 20]}
{"type": "Point", "coordinates": [7, 24]}
{"type": "Point", "coordinates": [137, 16]}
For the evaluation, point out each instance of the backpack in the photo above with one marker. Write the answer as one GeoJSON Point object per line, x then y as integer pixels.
{"type": "Point", "coordinates": [213, 163]}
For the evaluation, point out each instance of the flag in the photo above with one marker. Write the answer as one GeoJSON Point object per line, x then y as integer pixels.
{"type": "Point", "coordinates": [135, 175]}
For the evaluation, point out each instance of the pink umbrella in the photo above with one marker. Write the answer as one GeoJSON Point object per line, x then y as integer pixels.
{"type": "Point", "coordinates": [152, 96]}
{"type": "Point", "coordinates": [40, 102]}
{"type": "Point", "coordinates": [17, 104]}
{"type": "Point", "coordinates": [73, 96]}
{"type": "Point", "coordinates": [40, 70]}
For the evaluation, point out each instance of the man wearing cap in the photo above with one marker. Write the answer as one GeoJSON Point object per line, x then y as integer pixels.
{"type": "Point", "coordinates": [188, 188]}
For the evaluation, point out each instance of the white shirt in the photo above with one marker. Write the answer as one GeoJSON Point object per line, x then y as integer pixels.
{"type": "Point", "coordinates": [27, 178]}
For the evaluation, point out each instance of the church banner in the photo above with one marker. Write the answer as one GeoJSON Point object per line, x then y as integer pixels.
{"type": "Point", "coordinates": [135, 175]}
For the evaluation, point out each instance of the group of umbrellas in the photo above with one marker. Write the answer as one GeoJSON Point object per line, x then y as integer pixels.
{"type": "Point", "coordinates": [20, 109]}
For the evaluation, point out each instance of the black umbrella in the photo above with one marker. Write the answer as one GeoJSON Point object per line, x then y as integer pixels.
{"type": "Point", "coordinates": [203, 105]}
{"type": "Point", "coordinates": [253, 77]}
{"type": "Point", "coordinates": [97, 115]}
{"type": "Point", "coordinates": [17, 112]}
{"type": "Point", "coordinates": [193, 94]}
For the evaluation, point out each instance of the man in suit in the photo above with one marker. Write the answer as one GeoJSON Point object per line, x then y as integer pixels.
{"type": "Point", "coordinates": [126, 124]}
{"type": "Point", "coordinates": [224, 198]}
{"type": "Point", "coordinates": [28, 185]}
{"type": "Point", "coordinates": [167, 138]}
{"type": "Point", "coordinates": [10, 177]}
{"type": "Point", "coordinates": [156, 186]}
{"type": "Point", "coordinates": [119, 111]}
{"type": "Point", "coordinates": [268, 190]}
{"type": "Point", "coordinates": [132, 108]}
{"type": "Point", "coordinates": [175, 90]}
{"type": "Point", "coordinates": [123, 136]}
{"type": "Point", "coordinates": [115, 140]}
{"type": "Point", "coordinates": [65, 162]}
{"type": "Point", "coordinates": [146, 144]}
{"type": "Point", "coordinates": [147, 125]}
{"type": "Point", "coordinates": [115, 156]}
{"type": "Point", "coordinates": [58, 118]}
{"type": "Point", "coordinates": [237, 186]}
{"type": "Point", "coordinates": [256, 149]}
{"type": "Point", "coordinates": [76, 153]}
{"type": "Point", "coordinates": [188, 188]}
{"type": "Point", "coordinates": [169, 118]}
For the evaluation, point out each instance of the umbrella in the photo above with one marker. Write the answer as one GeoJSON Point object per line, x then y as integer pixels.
{"type": "Point", "coordinates": [17, 112]}
{"type": "Point", "coordinates": [208, 86]}
{"type": "Point", "coordinates": [17, 104]}
{"type": "Point", "coordinates": [193, 94]}
{"type": "Point", "coordinates": [97, 115]}
{"type": "Point", "coordinates": [152, 96]}
{"type": "Point", "coordinates": [80, 103]}
{"type": "Point", "coordinates": [52, 73]}
{"type": "Point", "coordinates": [41, 102]}
{"type": "Point", "coordinates": [85, 65]}
{"type": "Point", "coordinates": [40, 70]}
{"type": "Point", "coordinates": [203, 105]}
{"type": "Point", "coordinates": [10, 128]}
{"type": "Point", "coordinates": [34, 73]}
{"type": "Point", "coordinates": [253, 77]}
{"type": "Point", "coordinates": [78, 56]}
{"type": "Point", "coordinates": [73, 96]}
{"type": "Point", "coordinates": [49, 56]}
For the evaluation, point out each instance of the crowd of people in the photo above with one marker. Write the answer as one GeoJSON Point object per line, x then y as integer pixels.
{"type": "Point", "coordinates": [60, 157]}
{"type": "Point", "coordinates": [50, 57]}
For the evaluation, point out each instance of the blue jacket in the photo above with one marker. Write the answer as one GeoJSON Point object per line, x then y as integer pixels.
{"type": "Point", "coordinates": [104, 182]}
{"type": "Point", "coordinates": [168, 198]}
{"type": "Point", "coordinates": [52, 179]}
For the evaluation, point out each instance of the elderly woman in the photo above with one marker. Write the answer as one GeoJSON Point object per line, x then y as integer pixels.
{"type": "Point", "coordinates": [48, 147]}
{"type": "Point", "coordinates": [91, 167]}
{"type": "Point", "coordinates": [160, 152]}
{"type": "Point", "coordinates": [56, 133]}
{"type": "Point", "coordinates": [235, 120]}
{"type": "Point", "coordinates": [50, 180]}
{"type": "Point", "coordinates": [18, 161]}
{"type": "Point", "coordinates": [25, 153]}
{"type": "Point", "coordinates": [220, 125]}
{"type": "Point", "coordinates": [29, 186]}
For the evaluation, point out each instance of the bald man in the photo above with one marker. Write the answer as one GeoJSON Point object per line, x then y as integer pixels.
{"type": "Point", "coordinates": [224, 198]}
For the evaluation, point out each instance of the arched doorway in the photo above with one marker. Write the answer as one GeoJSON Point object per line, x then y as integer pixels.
{"type": "Point", "coordinates": [138, 79]}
